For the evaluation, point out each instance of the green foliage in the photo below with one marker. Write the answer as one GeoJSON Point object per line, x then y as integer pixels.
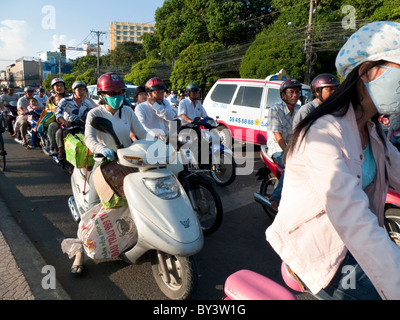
{"type": "Point", "coordinates": [195, 64]}
{"type": "Point", "coordinates": [203, 40]}
{"type": "Point", "coordinates": [89, 77]}
{"type": "Point", "coordinates": [142, 71]}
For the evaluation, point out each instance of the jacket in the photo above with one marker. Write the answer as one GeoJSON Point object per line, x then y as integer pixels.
{"type": "Point", "coordinates": [324, 212]}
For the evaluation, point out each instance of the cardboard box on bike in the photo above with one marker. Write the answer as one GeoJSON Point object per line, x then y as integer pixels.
{"type": "Point", "coordinates": [76, 151]}
{"type": "Point", "coordinates": [108, 181]}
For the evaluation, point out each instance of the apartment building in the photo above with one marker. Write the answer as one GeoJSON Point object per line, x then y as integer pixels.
{"type": "Point", "coordinates": [128, 31]}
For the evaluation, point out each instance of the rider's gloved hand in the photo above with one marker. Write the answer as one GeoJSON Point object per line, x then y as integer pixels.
{"type": "Point", "coordinates": [108, 153]}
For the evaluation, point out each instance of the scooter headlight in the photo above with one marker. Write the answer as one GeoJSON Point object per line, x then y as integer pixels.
{"type": "Point", "coordinates": [166, 187]}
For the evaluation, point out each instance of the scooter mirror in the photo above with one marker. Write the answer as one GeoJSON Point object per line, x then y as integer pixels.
{"type": "Point", "coordinates": [106, 126]}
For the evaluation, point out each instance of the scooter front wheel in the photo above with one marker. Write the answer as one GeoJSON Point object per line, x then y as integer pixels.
{"type": "Point", "coordinates": [224, 172]}
{"type": "Point", "coordinates": [267, 188]}
{"type": "Point", "coordinates": [175, 276]}
{"type": "Point", "coordinates": [208, 206]}
{"type": "Point", "coordinates": [392, 224]}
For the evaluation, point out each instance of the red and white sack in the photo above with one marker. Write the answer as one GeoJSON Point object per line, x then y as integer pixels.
{"type": "Point", "coordinates": [106, 233]}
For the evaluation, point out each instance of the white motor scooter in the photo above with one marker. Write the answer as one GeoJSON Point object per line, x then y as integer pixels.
{"type": "Point", "coordinates": [167, 228]}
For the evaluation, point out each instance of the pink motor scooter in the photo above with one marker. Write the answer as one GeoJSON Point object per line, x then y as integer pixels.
{"type": "Point", "coordinates": [250, 285]}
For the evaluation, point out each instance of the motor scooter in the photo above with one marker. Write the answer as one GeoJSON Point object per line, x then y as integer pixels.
{"type": "Point", "coordinates": [219, 161]}
{"type": "Point", "coordinates": [270, 174]}
{"type": "Point", "coordinates": [168, 231]}
{"type": "Point", "coordinates": [199, 187]}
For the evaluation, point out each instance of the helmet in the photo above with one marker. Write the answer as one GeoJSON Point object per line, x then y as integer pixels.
{"type": "Point", "coordinates": [290, 83]}
{"type": "Point", "coordinates": [78, 84]}
{"type": "Point", "coordinates": [192, 87]}
{"type": "Point", "coordinates": [375, 41]}
{"type": "Point", "coordinates": [155, 84]}
{"type": "Point", "coordinates": [138, 90]}
{"type": "Point", "coordinates": [324, 80]}
{"type": "Point", "coordinates": [27, 89]}
{"type": "Point", "coordinates": [57, 80]}
{"type": "Point", "coordinates": [110, 81]}
{"type": "Point", "coordinates": [40, 90]}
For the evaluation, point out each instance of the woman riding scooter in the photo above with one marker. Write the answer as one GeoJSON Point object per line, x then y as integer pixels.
{"type": "Point", "coordinates": [110, 87]}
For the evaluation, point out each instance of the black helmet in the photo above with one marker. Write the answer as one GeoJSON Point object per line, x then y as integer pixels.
{"type": "Point", "coordinates": [192, 87]}
{"type": "Point", "coordinates": [290, 83]}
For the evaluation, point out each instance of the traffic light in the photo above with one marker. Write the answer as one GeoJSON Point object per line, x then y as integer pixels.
{"type": "Point", "coordinates": [63, 50]}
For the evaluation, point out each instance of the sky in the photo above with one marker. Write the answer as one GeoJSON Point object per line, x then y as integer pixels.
{"type": "Point", "coordinates": [28, 28]}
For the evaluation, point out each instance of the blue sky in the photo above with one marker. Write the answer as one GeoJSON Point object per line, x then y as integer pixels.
{"type": "Point", "coordinates": [28, 28]}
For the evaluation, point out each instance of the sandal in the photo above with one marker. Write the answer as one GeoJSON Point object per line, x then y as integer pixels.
{"type": "Point", "coordinates": [77, 270]}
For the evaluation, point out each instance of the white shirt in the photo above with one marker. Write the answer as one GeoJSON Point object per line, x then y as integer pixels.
{"type": "Point", "coordinates": [154, 118]}
{"type": "Point", "coordinates": [96, 140]}
{"type": "Point", "coordinates": [187, 107]}
{"type": "Point", "coordinates": [42, 100]}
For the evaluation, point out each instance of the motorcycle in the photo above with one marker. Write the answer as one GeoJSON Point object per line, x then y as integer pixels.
{"type": "Point", "coordinates": [219, 162]}
{"type": "Point", "coordinates": [167, 230]}
{"type": "Point", "coordinates": [204, 198]}
{"type": "Point", "coordinates": [11, 115]}
{"type": "Point", "coordinates": [270, 174]}
{"type": "Point", "coordinates": [392, 216]}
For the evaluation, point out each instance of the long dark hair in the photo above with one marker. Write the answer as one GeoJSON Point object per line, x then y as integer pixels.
{"type": "Point", "coordinates": [337, 104]}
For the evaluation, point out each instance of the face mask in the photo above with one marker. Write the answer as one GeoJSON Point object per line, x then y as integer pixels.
{"type": "Point", "coordinates": [385, 91]}
{"type": "Point", "coordinates": [114, 102]}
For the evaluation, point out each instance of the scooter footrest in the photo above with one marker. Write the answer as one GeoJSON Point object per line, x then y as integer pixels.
{"type": "Point", "coordinates": [249, 285]}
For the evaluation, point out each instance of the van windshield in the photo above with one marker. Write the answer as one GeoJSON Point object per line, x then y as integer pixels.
{"type": "Point", "coordinates": [223, 93]}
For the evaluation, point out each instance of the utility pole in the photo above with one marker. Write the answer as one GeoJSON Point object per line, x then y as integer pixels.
{"type": "Point", "coordinates": [307, 76]}
{"type": "Point", "coordinates": [98, 33]}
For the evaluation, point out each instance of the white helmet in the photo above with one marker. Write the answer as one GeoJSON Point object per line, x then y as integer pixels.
{"type": "Point", "coordinates": [379, 40]}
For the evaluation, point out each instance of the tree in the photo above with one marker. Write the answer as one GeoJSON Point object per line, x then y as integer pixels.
{"type": "Point", "coordinates": [89, 77]}
{"type": "Point", "coordinates": [195, 65]}
{"type": "Point", "coordinates": [142, 71]}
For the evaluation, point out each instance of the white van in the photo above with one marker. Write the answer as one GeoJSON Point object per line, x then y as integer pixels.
{"type": "Point", "coordinates": [242, 106]}
{"type": "Point", "coordinates": [130, 93]}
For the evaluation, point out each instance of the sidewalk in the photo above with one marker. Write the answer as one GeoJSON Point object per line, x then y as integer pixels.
{"type": "Point", "coordinates": [21, 264]}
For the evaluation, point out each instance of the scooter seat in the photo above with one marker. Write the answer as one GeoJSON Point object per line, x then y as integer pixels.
{"type": "Point", "coordinates": [289, 279]}
{"type": "Point", "coordinates": [249, 285]}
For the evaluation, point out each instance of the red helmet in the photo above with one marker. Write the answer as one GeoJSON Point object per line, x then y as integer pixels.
{"type": "Point", "coordinates": [155, 84]}
{"type": "Point", "coordinates": [324, 80]}
{"type": "Point", "coordinates": [110, 81]}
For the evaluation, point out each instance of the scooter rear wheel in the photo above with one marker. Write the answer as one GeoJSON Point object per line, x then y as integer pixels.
{"type": "Point", "coordinates": [175, 276]}
{"type": "Point", "coordinates": [266, 189]}
{"type": "Point", "coordinates": [392, 224]}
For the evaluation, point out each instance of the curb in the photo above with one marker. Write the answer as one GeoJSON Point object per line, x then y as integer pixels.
{"type": "Point", "coordinates": [21, 264]}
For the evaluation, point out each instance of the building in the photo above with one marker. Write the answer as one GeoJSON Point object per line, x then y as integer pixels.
{"type": "Point", "coordinates": [54, 62]}
{"type": "Point", "coordinates": [128, 31]}
{"type": "Point", "coordinates": [25, 72]}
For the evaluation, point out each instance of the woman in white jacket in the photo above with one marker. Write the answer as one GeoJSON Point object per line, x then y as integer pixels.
{"type": "Point", "coordinates": [339, 164]}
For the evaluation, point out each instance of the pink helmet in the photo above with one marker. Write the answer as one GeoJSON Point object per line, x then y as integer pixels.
{"type": "Point", "coordinates": [110, 81]}
{"type": "Point", "coordinates": [324, 80]}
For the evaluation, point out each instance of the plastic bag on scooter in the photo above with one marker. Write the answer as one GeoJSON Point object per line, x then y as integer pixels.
{"type": "Point", "coordinates": [76, 151]}
{"type": "Point", "coordinates": [106, 233]}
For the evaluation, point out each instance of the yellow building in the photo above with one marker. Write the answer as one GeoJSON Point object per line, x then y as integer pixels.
{"type": "Point", "coordinates": [128, 31]}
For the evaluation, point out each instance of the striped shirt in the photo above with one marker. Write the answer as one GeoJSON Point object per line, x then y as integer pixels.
{"type": "Point", "coordinates": [279, 120]}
